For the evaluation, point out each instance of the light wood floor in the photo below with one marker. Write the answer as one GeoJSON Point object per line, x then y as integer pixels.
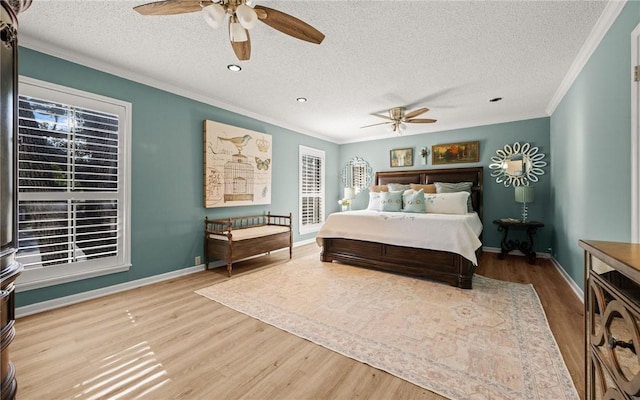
{"type": "Point", "coordinates": [163, 341]}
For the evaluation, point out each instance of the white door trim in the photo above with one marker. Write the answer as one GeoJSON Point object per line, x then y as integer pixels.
{"type": "Point", "coordinates": [635, 139]}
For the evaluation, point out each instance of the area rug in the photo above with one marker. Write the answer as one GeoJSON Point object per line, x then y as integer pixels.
{"type": "Point", "coordinates": [491, 342]}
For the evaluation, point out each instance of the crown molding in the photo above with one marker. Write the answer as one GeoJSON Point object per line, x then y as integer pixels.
{"type": "Point", "coordinates": [607, 18]}
{"type": "Point", "coordinates": [67, 55]}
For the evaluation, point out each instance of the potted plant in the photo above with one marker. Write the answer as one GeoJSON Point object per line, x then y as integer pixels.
{"type": "Point", "coordinates": [345, 203]}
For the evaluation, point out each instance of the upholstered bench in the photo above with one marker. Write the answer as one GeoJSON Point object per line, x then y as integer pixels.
{"type": "Point", "coordinates": [233, 239]}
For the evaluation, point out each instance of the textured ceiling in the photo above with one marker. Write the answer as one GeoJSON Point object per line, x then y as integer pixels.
{"type": "Point", "coordinates": [449, 56]}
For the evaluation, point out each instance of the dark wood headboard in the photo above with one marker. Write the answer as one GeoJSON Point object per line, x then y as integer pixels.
{"type": "Point", "coordinates": [425, 176]}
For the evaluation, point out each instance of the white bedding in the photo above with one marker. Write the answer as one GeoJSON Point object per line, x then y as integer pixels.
{"type": "Point", "coordinates": [446, 232]}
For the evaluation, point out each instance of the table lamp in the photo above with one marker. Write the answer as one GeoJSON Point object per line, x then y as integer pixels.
{"type": "Point", "coordinates": [349, 194]}
{"type": "Point", "coordinates": [524, 195]}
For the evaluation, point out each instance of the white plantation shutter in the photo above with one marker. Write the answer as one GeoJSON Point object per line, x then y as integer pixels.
{"type": "Point", "coordinates": [73, 184]}
{"type": "Point", "coordinates": [63, 148]}
{"type": "Point", "coordinates": [311, 189]}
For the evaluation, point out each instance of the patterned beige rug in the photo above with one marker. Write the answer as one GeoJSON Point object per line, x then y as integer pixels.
{"type": "Point", "coordinates": [491, 342]}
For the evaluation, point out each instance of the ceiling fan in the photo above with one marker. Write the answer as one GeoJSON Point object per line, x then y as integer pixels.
{"type": "Point", "coordinates": [398, 117]}
{"type": "Point", "coordinates": [242, 18]}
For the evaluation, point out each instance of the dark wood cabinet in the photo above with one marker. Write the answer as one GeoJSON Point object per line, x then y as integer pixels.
{"type": "Point", "coordinates": [9, 267]}
{"type": "Point", "coordinates": [612, 320]}
{"type": "Point", "coordinates": [8, 275]}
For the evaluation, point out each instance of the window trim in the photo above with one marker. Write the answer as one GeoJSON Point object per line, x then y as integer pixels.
{"type": "Point", "coordinates": [302, 151]}
{"type": "Point", "coordinates": [44, 277]}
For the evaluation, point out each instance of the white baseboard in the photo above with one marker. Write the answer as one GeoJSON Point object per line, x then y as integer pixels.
{"type": "Point", "coordinates": [303, 242]}
{"type": "Point", "coordinates": [574, 286]}
{"type": "Point", "coordinates": [93, 294]}
{"type": "Point", "coordinates": [121, 287]}
{"type": "Point", "coordinates": [513, 252]}
{"type": "Point", "coordinates": [577, 290]}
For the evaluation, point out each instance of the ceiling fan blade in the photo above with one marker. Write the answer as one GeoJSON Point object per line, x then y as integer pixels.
{"type": "Point", "coordinates": [171, 7]}
{"type": "Point", "coordinates": [421, 121]}
{"type": "Point", "coordinates": [379, 123]}
{"type": "Point", "coordinates": [381, 116]}
{"type": "Point", "coordinates": [415, 113]}
{"type": "Point", "coordinates": [288, 24]}
{"type": "Point", "coordinates": [242, 49]}
{"type": "Point", "coordinates": [262, 14]}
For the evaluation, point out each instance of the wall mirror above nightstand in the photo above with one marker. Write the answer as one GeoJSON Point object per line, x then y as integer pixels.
{"type": "Point", "coordinates": [517, 165]}
{"type": "Point", "coordinates": [357, 174]}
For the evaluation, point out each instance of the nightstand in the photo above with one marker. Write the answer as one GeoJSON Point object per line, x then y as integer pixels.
{"type": "Point", "coordinates": [525, 246]}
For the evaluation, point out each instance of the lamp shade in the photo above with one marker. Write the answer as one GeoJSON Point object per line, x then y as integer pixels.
{"type": "Point", "coordinates": [237, 33]}
{"type": "Point", "coordinates": [246, 16]}
{"type": "Point", "coordinates": [214, 15]}
{"type": "Point", "coordinates": [349, 193]}
{"type": "Point", "coordinates": [524, 194]}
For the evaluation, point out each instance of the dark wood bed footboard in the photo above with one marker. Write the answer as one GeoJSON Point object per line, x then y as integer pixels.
{"type": "Point", "coordinates": [432, 264]}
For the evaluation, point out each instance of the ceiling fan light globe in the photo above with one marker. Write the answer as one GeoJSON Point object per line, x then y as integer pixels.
{"type": "Point", "coordinates": [237, 32]}
{"type": "Point", "coordinates": [402, 126]}
{"type": "Point", "coordinates": [247, 16]}
{"type": "Point", "coordinates": [214, 15]}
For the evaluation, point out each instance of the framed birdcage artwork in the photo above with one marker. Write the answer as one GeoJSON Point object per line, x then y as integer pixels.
{"type": "Point", "coordinates": [237, 166]}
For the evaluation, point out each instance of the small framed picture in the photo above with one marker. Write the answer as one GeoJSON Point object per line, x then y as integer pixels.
{"type": "Point", "coordinates": [401, 157]}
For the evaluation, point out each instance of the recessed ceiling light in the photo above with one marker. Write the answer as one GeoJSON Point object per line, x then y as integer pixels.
{"type": "Point", "coordinates": [234, 68]}
{"type": "Point", "coordinates": [495, 99]}
{"type": "Point", "coordinates": [301, 99]}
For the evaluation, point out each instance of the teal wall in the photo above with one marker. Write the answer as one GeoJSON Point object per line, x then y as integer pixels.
{"type": "Point", "coordinates": [167, 210]}
{"type": "Point", "coordinates": [591, 162]}
{"type": "Point", "coordinates": [499, 201]}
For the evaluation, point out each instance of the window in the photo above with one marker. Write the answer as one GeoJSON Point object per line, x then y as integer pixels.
{"type": "Point", "coordinates": [73, 184]}
{"type": "Point", "coordinates": [311, 189]}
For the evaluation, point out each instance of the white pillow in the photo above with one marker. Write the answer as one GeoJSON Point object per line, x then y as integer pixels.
{"type": "Point", "coordinates": [448, 187]}
{"type": "Point", "coordinates": [446, 203]}
{"type": "Point", "coordinates": [374, 201]}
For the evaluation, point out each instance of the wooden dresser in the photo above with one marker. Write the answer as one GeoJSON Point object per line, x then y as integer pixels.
{"type": "Point", "coordinates": [612, 320]}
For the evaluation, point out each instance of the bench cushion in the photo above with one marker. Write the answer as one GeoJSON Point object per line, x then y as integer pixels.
{"type": "Point", "coordinates": [251, 233]}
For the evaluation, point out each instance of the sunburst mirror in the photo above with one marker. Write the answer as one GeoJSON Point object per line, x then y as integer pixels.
{"type": "Point", "coordinates": [517, 164]}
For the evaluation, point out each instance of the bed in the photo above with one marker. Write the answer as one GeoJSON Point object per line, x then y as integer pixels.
{"type": "Point", "coordinates": [384, 254]}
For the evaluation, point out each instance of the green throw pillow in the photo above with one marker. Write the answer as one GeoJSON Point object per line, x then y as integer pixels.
{"type": "Point", "coordinates": [395, 187]}
{"type": "Point", "coordinates": [413, 201]}
{"type": "Point", "coordinates": [390, 201]}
